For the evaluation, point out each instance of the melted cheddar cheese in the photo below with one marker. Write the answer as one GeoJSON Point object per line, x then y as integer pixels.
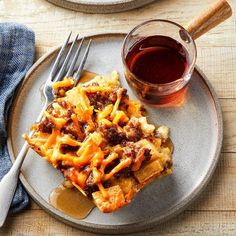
{"type": "Point", "coordinates": [101, 141]}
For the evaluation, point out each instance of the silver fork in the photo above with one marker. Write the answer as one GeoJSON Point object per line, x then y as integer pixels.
{"type": "Point", "coordinates": [9, 181]}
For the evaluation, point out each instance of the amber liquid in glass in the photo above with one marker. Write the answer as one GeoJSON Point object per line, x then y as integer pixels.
{"type": "Point", "coordinates": [157, 60]}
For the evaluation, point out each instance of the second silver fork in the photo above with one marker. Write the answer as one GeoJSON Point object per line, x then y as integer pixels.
{"type": "Point", "coordinates": [9, 181]}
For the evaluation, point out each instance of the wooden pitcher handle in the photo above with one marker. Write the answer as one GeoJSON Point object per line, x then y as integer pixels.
{"type": "Point", "coordinates": [208, 19]}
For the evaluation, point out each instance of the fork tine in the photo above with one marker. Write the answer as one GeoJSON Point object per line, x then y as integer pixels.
{"type": "Point", "coordinates": [56, 63]}
{"type": "Point", "coordinates": [81, 66]}
{"type": "Point", "coordinates": [64, 65]}
{"type": "Point", "coordinates": [71, 69]}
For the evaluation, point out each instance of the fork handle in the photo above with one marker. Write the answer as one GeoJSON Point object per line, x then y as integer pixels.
{"type": "Point", "coordinates": [8, 184]}
{"type": "Point", "coordinates": [9, 181]}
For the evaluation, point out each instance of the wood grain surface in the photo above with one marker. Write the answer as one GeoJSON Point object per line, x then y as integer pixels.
{"type": "Point", "coordinates": [214, 212]}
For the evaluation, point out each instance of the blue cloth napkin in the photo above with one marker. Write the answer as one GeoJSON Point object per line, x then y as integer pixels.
{"type": "Point", "coordinates": [17, 45]}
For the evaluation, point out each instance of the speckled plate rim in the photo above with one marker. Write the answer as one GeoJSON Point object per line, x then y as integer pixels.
{"type": "Point", "coordinates": [102, 7]}
{"type": "Point", "coordinates": [134, 227]}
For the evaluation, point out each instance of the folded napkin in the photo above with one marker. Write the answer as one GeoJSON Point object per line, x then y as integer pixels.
{"type": "Point", "coordinates": [16, 57]}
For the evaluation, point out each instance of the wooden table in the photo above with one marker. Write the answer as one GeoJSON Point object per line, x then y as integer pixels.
{"type": "Point", "coordinates": [214, 213]}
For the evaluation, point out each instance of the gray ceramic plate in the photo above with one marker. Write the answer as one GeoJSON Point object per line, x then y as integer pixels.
{"type": "Point", "coordinates": [196, 130]}
{"type": "Point", "coordinates": [100, 6]}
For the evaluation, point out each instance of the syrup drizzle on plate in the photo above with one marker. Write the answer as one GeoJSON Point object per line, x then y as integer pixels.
{"type": "Point", "coordinates": [71, 201]}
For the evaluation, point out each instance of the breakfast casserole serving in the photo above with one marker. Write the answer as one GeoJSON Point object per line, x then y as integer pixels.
{"type": "Point", "coordinates": [100, 140]}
